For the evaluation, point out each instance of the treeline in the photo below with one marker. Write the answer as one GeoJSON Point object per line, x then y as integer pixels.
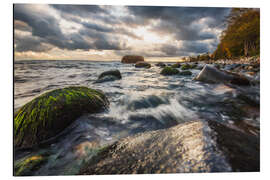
{"type": "Point", "coordinates": [242, 35]}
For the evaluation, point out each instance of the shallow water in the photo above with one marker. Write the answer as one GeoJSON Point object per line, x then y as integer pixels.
{"type": "Point", "coordinates": [143, 100]}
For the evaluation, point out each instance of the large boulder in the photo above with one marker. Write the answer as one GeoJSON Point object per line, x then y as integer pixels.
{"type": "Point", "coordinates": [47, 115]}
{"type": "Point", "coordinates": [111, 75]}
{"type": "Point", "coordinates": [195, 146]}
{"type": "Point", "coordinates": [211, 74]}
{"type": "Point", "coordinates": [132, 59]}
{"type": "Point", "coordinates": [169, 71]}
{"type": "Point", "coordinates": [142, 64]}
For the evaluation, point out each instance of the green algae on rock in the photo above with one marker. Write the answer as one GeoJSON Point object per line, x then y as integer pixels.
{"type": "Point", "coordinates": [176, 65]}
{"type": "Point", "coordinates": [27, 166]}
{"type": "Point", "coordinates": [169, 71]}
{"type": "Point", "coordinates": [142, 64]}
{"type": "Point", "coordinates": [47, 115]}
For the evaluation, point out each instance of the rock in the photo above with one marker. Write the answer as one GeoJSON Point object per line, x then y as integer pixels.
{"type": "Point", "coordinates": [111, 75]}
{"type": "Point", "coordinates": [212, 75]}
{"type": "Point", "coordinates": [160, 64]}
{"type": "Point", "coordinates": [186, 67]}
{"type": "Point", "coordinates": [132, 59]}
{"type": "Point", "coordinates": [115, 73]}
{"type": "Point", "coordinates": [189, 147]}
{"type": "Point", "coordinates": [142, 64]}
{"type": "Point", "coordinates": [106, 79]}
{"type": "Point", "coordinates": [185, 73]}
{"type": "Point", "coordinates": [27, 166]}
{"type": "Point", "coordinates": [176, 65]}
{"type": "Point", "coordinates": [169, 71]}
{"type": "Point", "coordinates": [47, 115]}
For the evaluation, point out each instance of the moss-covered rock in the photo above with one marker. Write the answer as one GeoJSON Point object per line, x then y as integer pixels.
{"type": "Point", "coordinates": [132, 59]}
{"type": "Point", "coordinates": [185, 73]}
{"type": "Point", "coordinates": [142, 64]}
{"type": "Point", "coordinates": [28, 165]}
{"type": "Point", "coordinates": [186, 67]}
{"type": "Point", "coordinates": [47, 115]}
{"type": "Point", "coordinates": [169, 71]}
{"type": "Point", "coordinates": [176, 65]}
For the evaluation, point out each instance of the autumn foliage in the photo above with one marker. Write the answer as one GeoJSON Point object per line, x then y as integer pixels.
{"type": "Point", "coordinates": [242, 35]}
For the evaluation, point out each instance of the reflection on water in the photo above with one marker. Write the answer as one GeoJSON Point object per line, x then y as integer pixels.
{"type": "Point", "coordinates": [143, 100]}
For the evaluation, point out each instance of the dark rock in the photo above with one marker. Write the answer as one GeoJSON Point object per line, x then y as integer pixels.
{"type": "Point", "coordinates": [142, 64]}
{"type": "Point", "coordinates": [106, 79]}
{"type": "Point", "coordinates": [160, 64]}
{"type": "Point", "coordinates": [132, 59]}
{"type": "Point", "coordinates": [169, 71]}
{"type": "Point", "coordinates": [185, 73]}
{"type": "Point", "coordinates": [189, 147]}
{"type": "Point", "coordinates": [115, 73]}
{"type": "Point", "coordinates": [47, 115]}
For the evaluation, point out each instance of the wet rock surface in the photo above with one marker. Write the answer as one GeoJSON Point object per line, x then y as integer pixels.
{"type": "Point", "coordinates": [132, 59]}
{"type": "Point", "coordinates": [190, 147]}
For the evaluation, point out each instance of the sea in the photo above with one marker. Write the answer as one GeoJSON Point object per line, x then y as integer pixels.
{"type": "Point", "coordinates": [143, 100]}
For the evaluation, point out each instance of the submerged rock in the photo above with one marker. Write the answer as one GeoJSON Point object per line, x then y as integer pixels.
{"type": "Point", "coordinates": [185, 73]}
{"type": "Point", "coordinates": [132, 59]}
{"type": "Point", "coordinates": [160, 64]}
{"type": "Point", "coordinates": [190, 147]}
{"type": "Point", "coordinates": [210, 74]}
{"type": "Point", "coordinates": [27, 166]}
{"type": "Point", "coordinates": [142, 64]}
{"type": "Point", "coordinates": [47, 115]}
{"type": "Point", "coordinates": [111, 75]}
{"type": "Point", "coordinates": [169, 71]}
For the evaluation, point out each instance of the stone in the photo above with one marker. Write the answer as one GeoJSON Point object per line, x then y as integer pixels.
{"type": "Point", "coordinates": [131, 59]}
{"type": "Point", "coordinates": [49, 114]}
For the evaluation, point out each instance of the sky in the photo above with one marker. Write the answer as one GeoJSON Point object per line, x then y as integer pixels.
{"type": "Point", "coordinates": [93, 32]}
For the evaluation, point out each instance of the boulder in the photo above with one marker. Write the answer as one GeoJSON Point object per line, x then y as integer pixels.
{"type": "Point", "coordinates": [211, 74]}
{"type": "Point", "coordinates": [142, 64]}
{"type": "Point", "coordinates": [197, 146]}
{"type": "Point", "coordinates": [131, 59]}
{"type": "Point", "coordinates": [106, 79]}
{"type": "Point", "coordinates": [115, 73]}
{"type": "Point", "coordinates": [160, 64]}
{"type": "Point", "coordinates": [169, 71]}
{"type": "Point", "coordinates": [47, 115]}
{"type": "Point", "coordinates": [186, 66]}
{"type": "Point", "coordinates": [185, 73]}
{"type": "Point", "coordinates": [111, 75]}
{"type": "Point", "coordinates": [176, 65]}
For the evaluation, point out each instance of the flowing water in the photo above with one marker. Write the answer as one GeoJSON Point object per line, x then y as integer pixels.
{"type": "Point", "coordinates": [143, 100]}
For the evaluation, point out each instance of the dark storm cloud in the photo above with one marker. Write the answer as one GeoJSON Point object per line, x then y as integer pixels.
{"type": "Point", "coordinates": [179, 20]}
{"type": "Point", "coordinates": [47, 29]}
{"type": "Point", "coordinates": [30, 43]}
{"type": "Point", "coordinates": [80, 10]}
{"type": "Point", "coordinates": [101, 29]}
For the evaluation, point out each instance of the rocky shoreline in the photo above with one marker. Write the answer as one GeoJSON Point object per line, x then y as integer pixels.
{"type": "Point", "coordinates": [178, 149]}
